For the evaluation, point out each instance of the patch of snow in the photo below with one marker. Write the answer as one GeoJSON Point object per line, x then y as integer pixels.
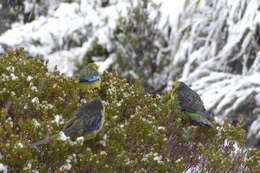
{"type": "Point", "coordinates": [193, 169]}
{"type": "Point", "coordinates": [3, 168]}
{"type": "Point", "coordinates": [35, 100]}
{"type": "Point", "coordinates": [57, 119]}
{"type": "Point", "coordinates": [254, 129]}
{"type": "Point", "coordinates": [62, 136]}
{"type": "Point", "coordinates": [104, 65]}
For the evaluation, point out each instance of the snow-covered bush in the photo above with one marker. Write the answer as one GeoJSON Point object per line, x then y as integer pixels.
{"type": "Point", "coordinates": [139, 44]}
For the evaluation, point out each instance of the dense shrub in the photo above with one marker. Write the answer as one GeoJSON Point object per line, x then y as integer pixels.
{"type": "Point", "coordinates": [142, 132]}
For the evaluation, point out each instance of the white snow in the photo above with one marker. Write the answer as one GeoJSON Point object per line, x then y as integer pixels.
{"type": "Point", "coordinates": [3, 168]}
{"type": "Point", "coordinates": [57, 119]}
{"type": "Point", "coordinates": [36, 123]}
{"type": "Point", "coordinates": [35, 100]}
{"type": "Point", "coordinates": [103, 65]}
{"type": "Point", "coordinates": [193, 169]}
{"type": "Point", "coordinates": [254, 129]}
{"type": "Point", "coordinates": [62, 136]}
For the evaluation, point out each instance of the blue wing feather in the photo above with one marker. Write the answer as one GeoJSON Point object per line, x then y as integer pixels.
{"type": "Point", "coordinates": [96, 126]}
{"type": "Point", "coordinates": [90, 79]}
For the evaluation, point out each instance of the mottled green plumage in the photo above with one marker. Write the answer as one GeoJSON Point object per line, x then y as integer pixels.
{"type": "Point", "coordinates": [89, 119]}
{"type": "Point", "coordinates": [191, 103]}
{"type": "Point", "coordinates": [89, 77]}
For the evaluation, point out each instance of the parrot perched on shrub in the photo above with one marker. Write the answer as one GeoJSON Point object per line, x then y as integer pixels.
{"type": "Point", "coordinates": [89, 77]}
{"type": "Point", "coordinates": [88, 119]}
{"type": "Point", "coordinates": [191, 104]}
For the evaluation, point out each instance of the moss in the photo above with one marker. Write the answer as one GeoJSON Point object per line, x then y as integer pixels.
{"type": "Point", "coordinates": [142, 132]}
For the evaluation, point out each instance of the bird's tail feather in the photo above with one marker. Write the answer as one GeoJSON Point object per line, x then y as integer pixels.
{"type": "Point", "coordinates": [44, 141]}
{"type": "Point", "coordinates": [200, 119]}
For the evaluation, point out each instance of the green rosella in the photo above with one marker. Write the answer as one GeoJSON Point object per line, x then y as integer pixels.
{"type": "Point", "coordinates": [89, 77]}
{"type": "Point", "coordinates": [89, 119]}
{"type": "Point", "coordinates": [191, 104]}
